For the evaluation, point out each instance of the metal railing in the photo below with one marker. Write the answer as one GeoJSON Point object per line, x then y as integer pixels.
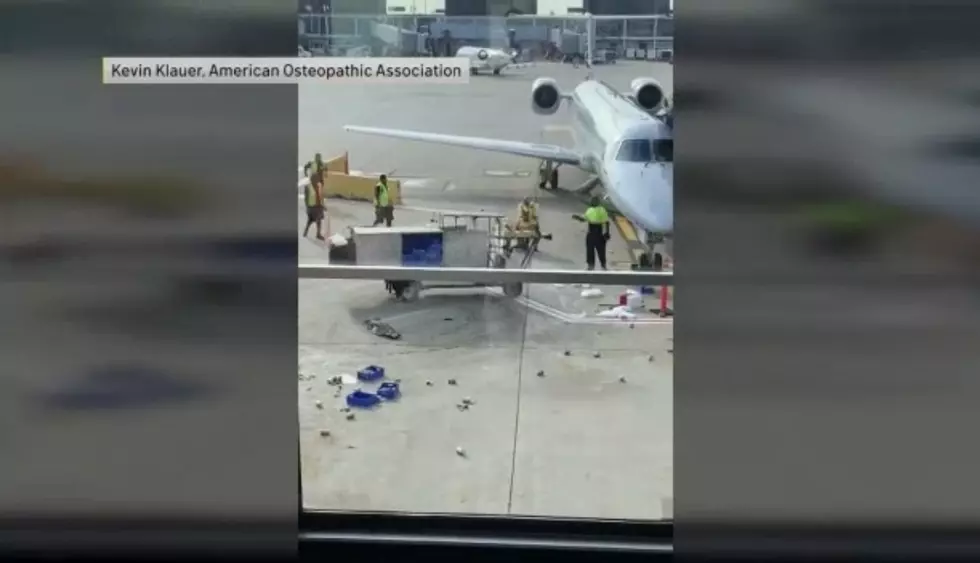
{"type": "Point", "coordinates": [484, 275]}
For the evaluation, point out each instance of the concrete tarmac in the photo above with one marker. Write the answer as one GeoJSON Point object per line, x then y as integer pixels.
{"type": "Point", "coordinates": [573, 441]}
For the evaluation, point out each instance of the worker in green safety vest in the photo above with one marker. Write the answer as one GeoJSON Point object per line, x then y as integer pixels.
{"type": "Point", "coordinates": [597, 219]}
{"type": "Point", "coordinates": [314, 202]}
{"type": "Point", "coordinates": [383, 210]}
{"type": "Point", "coordinates": [315, 165]}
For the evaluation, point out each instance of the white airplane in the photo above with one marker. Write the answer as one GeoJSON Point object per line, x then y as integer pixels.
{"type": "Point", "coordinates": [482, 59]}
{"type": "Point", "coordinates": [624, 140]}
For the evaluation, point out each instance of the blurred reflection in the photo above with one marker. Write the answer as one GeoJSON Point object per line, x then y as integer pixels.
{"type": "Point", "coordinates": [136, 272]}
{"type": "Point", "coordinates": [827, 142]}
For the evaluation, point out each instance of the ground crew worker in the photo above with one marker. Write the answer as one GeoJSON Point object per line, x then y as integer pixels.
{"type": "Point", "coordinates": [383, 210]}
{"type": "Point", "coordinates": [314, 203]}
{"type": "Point", "coordinates": [597, 219]}
{"type": "Point", "coordinates": [527, 220]}
{"type": "Point", "coordinates": [527, 216]}
{"type": "Point", "coordinates": [315, 165]}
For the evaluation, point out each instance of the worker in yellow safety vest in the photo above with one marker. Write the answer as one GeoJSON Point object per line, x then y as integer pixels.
{"type": "Point", "coordinates": [597, 219]}
{"type": "Point", "coordinates": [383, 210]}
{"type": "Point", "coordinates": [315, 165]}
{"type": "Point", "coordinates": [527, 215]}
{"type": "Point", "coordinates": [527, 220]}
{"type": "Point", "coordinates": [314, 203]}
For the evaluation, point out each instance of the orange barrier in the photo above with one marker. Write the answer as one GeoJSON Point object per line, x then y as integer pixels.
{"type": "Point", "coordinates": [664, 292]}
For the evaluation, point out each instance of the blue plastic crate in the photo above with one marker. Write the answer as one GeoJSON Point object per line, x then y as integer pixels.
{"type": "Point", "coordinates": [362, 399]}
{"type": "Point", "coordinates": [371, 373]}
{"type": "Point", "coordinates": [389, 390]}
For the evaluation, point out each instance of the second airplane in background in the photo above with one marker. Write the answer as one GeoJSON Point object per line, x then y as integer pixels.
{"type": "Point", "coordinates": [486, 60]}
{"type": "Point", "coordinates": [625, 141]}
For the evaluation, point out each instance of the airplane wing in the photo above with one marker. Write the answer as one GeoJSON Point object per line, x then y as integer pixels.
{"type": "Point", "coordinates": [531, 150]}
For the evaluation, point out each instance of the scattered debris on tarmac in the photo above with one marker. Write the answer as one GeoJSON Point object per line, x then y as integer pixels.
{"type": "Point", "coordinates": [319, 405]}
{"type": "Point", "coordinates": [597, 355]}
{"type": "Point", "coordinates": [622, 379]}
{"type": "Point", "coordinates": [429, 382]}
{"type": "Point", "coordinates": [460, 451]}
{"type": "Point", "coordinates": [452, 382]}
{"type": "Point", "coordinates": [325, 433]}
{"type": "Point", "coordinates": [350, 416]}
{"type": "Point", "coordinates": [379, 328]}
{"type": "Point", "coordinates": [540, 373]}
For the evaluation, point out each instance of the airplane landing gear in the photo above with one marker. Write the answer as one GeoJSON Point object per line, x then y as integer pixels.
{"type": "Point", "coordinates": [496, 72]}
{"type": "Point", "coordinates": [548, 174]}
{"type": "Point", "coordinates": [653, 258]}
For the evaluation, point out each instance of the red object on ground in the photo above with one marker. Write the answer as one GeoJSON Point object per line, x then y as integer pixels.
{"type": "Point", "coordinates": [622, 298]}
{"type": "Point", "coordinates": [663, 300]}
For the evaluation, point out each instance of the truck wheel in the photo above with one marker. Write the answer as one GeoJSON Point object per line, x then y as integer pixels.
{"type": "Point", "coordinates": [554, 179]}
{"type": "Point", "coordinates": [513, 289]}
{"type": "Point", "coordinates": [412, 291]}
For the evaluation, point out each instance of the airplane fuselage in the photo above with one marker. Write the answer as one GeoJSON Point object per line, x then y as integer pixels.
{"type": "Point", "coordinates": [602, 119]}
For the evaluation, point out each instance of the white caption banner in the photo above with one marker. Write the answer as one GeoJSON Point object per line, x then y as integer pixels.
{"type": "Point", "coordinates": [298, 70]}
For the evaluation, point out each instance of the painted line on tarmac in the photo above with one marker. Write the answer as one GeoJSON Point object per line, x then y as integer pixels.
{"type": "Point", "coordinates": [629, 234]}
{"type": "Point", "coordinates": [580, 319]}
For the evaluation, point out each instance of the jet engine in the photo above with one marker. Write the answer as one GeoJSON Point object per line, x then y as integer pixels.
{"type": "Point", "coordinates": [545, 96]}
{"type": "Point", "coordinates": [648, 94]}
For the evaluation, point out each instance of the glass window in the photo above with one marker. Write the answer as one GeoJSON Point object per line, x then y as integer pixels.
{"type": "Point", "coordinates": [635, 150]}
{"type": "Point", "coordinates": [663, 150]}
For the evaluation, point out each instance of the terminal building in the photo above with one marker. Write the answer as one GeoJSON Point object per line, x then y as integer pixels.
{"type": "Point", "coordinates": [626, 7]}
{"type": "Point", "coordinates": [341, 7]}
{"type": "Point", "coordinates": [473, 8]}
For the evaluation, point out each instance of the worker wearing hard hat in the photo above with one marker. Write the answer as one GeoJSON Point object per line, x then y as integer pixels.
{"type": "Point", "coordinates": [597, 219]}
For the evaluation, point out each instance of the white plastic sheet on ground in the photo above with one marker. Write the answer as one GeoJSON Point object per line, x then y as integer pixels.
{"type": "Point", "coordinates": [619, 312]}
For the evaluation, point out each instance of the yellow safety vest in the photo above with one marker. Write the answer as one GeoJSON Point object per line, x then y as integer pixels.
{"type": "Point", "coordinates": [596, 215]}
{"type": "Point", "coordinates": [311, 200]}
{"type": "Point", "coordinates": [528, 213]}
{"type": "Point", "coordinates": [381, 200]}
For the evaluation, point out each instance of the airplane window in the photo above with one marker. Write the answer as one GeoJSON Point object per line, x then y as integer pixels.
{"type": "Point", "coordinates": [663, 150]}
{"type": "Point", "coordinates": [635, 150]}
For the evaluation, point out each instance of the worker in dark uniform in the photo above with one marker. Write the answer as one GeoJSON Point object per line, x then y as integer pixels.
{"type": "Point", "coordinates": [314, 202]}
{"type": "Point", "coordinates": [597, 219]}
{"type": "Point", "coordinates": [383, 210]}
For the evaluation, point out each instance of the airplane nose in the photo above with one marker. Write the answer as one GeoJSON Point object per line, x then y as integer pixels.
{"type": "Point", "coordinates": [648, 192]}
